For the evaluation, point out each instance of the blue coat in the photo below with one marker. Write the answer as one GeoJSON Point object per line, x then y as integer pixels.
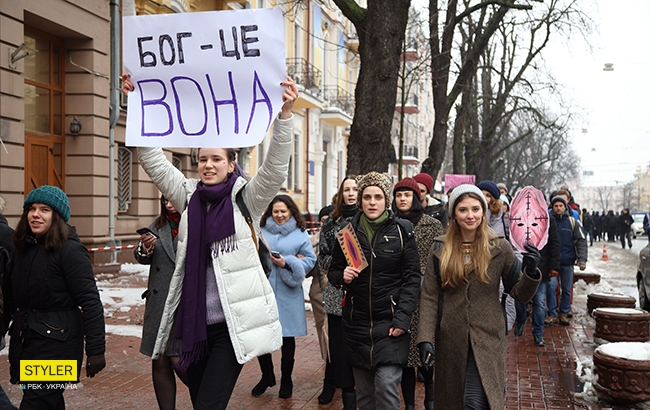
{"type": "Point", "coordinates": [286, 282]}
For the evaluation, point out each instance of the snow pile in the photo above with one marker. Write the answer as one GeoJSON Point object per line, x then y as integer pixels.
{"type": "Point", "coordinates": [585, 373]}
{"type": "Point", "coordinates": [623, 311]}
{"type": "Point", "coordinates": [626, 350]}
{"type": "Point", "coordinates": [118, 298]}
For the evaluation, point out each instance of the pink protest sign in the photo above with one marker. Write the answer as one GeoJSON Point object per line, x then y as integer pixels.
{"type": "Point", "coordinates": [454, 180]}
{"type": "Point", "coordinates": [529, 219]}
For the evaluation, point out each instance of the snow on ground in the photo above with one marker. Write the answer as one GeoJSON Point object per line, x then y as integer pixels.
{"type": "Point", "coordinates": [119, 298]}
{"type": "Point", "coordinates": [618, 276]}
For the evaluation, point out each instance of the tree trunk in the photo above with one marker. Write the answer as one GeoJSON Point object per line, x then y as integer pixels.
{"type": "Point", "coordinates": [381, 31]}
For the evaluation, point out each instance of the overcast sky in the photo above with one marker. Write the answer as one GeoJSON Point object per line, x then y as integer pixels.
{"type": "Point", "coordinates": [612, 136]}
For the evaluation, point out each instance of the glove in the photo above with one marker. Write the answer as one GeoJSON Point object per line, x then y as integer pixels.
{"type": "Point", "coordinates": [531, 260]}
{"type": "Point", "coordinates": [427, 353]}
{"type": "Point", "coordinates": [582, 265]}
{"type": "Point", "coordinates": [94, 364]}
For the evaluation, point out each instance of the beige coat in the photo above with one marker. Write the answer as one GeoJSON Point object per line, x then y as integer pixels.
{"type": "Point", "coordinates": [471, 313]}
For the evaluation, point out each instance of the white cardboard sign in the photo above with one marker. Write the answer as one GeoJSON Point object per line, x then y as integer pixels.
{"type": "Point", "coordinates": [208, 79]}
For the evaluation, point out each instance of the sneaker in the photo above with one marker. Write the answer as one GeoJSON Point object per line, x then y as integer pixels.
{"type": "Point", "coordinates": [539, 340]}
{"type": "Point", "coordinates": [550, 320]}
{"type": "Point", "coordinates": [563, 319]}
{"type": "Point", "coordinates": [519, 329]}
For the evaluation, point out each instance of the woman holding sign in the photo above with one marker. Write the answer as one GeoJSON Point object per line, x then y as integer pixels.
{"type": "Point", "coordinates": [380, 297]}
{"type": "Point", "coordinates": [220, 303]}
{"type": "Point", "coordinates": [460, 312]}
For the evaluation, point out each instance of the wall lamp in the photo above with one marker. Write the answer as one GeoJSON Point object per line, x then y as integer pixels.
{"type": "Point", "coordinates": [75, 127]}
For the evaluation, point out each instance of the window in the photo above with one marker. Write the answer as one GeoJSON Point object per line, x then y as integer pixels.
{"type": "Point", "coordinates": [124, 178]}
{"type": "Point", "coordinates": [178, 163]}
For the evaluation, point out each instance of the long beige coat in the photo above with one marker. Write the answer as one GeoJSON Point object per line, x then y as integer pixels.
{"type": "Point", "coordinates": [471, 313]}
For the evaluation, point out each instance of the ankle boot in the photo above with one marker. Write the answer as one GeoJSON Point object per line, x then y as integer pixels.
{"type": "Point", "coordinates": [329, 385]}
{"type": "Point", "coordinates": [286, 385]}
{"type": "Point", "coordinates": [268, 377]}
{"type": "Point", "coordinates": [428, 397]}
{"type": "Point", "coordinates": [349, 400]}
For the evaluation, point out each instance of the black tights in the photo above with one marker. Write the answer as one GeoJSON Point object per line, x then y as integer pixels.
{"type": "Point", "coordinates": [164, 381]}
{"type": "Point", "coordinates": [288, 348]}
{"type": "Point", "coordinates": [408, 381]}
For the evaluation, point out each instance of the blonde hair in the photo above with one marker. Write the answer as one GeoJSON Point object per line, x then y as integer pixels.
{"type": "Point", "coordinates": [453, 270]}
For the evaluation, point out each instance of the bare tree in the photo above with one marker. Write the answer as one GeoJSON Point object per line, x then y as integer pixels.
{"type": "Point", "coordinates": [412, 73]}
{"type": "Point", "coordinates": [510, 79]}
{"type": "Point", "coordinates": [441, 44]}
{"type": "Point", "coordinates": [535, 152]}
{"type": "Point", "coordinates": [381, 28]}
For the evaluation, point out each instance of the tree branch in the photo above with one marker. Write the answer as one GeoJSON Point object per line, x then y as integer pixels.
{"type": "Point", "coordinates": [481, 5]}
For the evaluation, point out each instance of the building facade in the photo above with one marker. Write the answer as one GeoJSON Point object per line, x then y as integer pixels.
{"type": "Point", "coordinates": [55, 64]}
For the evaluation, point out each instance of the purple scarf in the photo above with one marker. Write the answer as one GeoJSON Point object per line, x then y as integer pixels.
{"type": "Point", "coordinates": [205, 227]}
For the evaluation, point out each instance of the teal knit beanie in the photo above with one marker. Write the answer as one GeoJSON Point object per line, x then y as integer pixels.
{"type": "Point", "coordinates": [51, 196]}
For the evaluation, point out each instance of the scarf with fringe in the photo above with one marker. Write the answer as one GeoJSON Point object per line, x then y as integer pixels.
{"type": "Point", "coordinates": [210, 232]}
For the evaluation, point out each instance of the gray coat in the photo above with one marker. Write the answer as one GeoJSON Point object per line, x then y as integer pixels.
{"type": "Point", "coordinates": [471, 312]}
{"type": "Point", "coordinates": [161, 270]}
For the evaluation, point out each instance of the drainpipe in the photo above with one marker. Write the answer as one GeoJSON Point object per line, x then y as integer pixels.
{"type": "Point", "coordinates": [114, 116]}
{"type": "Point", "coordinates": [309, 59]}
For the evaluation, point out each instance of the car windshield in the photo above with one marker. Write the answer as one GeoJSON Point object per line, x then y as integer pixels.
{"type": "Point", "coordinates": [638, 218]}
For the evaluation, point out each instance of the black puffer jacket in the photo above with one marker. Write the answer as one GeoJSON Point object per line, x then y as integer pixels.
{"type": "Point", "coordinates": [383, 296]}
{"type": "Point", "coordinates": [55, 304]}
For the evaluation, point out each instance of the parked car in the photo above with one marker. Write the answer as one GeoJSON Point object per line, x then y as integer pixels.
{"type": "Point", "coordinates": [643, 278]}
{"type": "Point", "coordinates": [637, 226]}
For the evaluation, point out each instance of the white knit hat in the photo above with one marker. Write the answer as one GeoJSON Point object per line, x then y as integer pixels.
{"type": "Point", "coordinates": [465, 189]}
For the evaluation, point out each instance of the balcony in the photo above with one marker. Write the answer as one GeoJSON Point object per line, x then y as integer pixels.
{"type": "Point", "coordinates": [339, 106]}
{"type": "Point", "coordinates": [411, 106]}
{"type": "Point", "coordinates": [352, 42]}
{"type": "Point", "coordinates": [308, 78]}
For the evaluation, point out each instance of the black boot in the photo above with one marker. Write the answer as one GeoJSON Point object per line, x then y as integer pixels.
{"type": "Point", "coordinates": [268, 377]}
{"type": "Point", "coordinates": [286, 385]}
{"type": "Point", "coordinates": [349, 400]}
{"type": "Point", "coordinates": [428, 397]}
{"type": "Point", "coordinates": [329, 385]}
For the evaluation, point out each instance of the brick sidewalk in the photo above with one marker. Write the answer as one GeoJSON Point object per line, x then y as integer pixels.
{"type": "Point", "coordinates": [537, 377]}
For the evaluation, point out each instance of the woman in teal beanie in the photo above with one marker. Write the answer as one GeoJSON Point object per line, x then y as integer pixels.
{"type": "Point", "coordinates": [51, 294]}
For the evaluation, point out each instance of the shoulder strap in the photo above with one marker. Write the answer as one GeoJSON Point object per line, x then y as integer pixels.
{"type": "Point", "coordinates": [239, 199]}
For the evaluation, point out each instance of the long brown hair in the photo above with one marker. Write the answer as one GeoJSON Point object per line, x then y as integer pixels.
{"type": "Point", "coordinates": [338, 210]}
{"type": "Point", "coordinates": [55, 237]}
{"type": "Point", "coordinates": [293, 208]}
{"type": "Point", "coordinates": [452, 265]}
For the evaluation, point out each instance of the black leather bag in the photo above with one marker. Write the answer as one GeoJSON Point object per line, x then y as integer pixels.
{"type": "Point", "coordinates": [262, 248]}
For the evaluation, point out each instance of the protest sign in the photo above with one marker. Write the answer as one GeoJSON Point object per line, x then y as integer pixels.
{"type": "Point", "coordinates": [454, 180]}
{"type": "Point", "coordinates": [208, 79]}
{"type": "Point", "coordinates": [351, 247]}
{"type": "Point", "coordinates": [529, 220]}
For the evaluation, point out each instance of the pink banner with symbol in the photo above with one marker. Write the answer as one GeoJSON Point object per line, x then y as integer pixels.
{"type": "Point", "coordinates": [454, 180]}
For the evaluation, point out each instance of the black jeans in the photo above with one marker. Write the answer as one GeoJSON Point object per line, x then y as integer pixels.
{"type": "Point", "coordinates": [212, 380]}
{"type": "Point", "coordinates": [42, 399]}
{"type": "Point", "coordinates": [338, 353]}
